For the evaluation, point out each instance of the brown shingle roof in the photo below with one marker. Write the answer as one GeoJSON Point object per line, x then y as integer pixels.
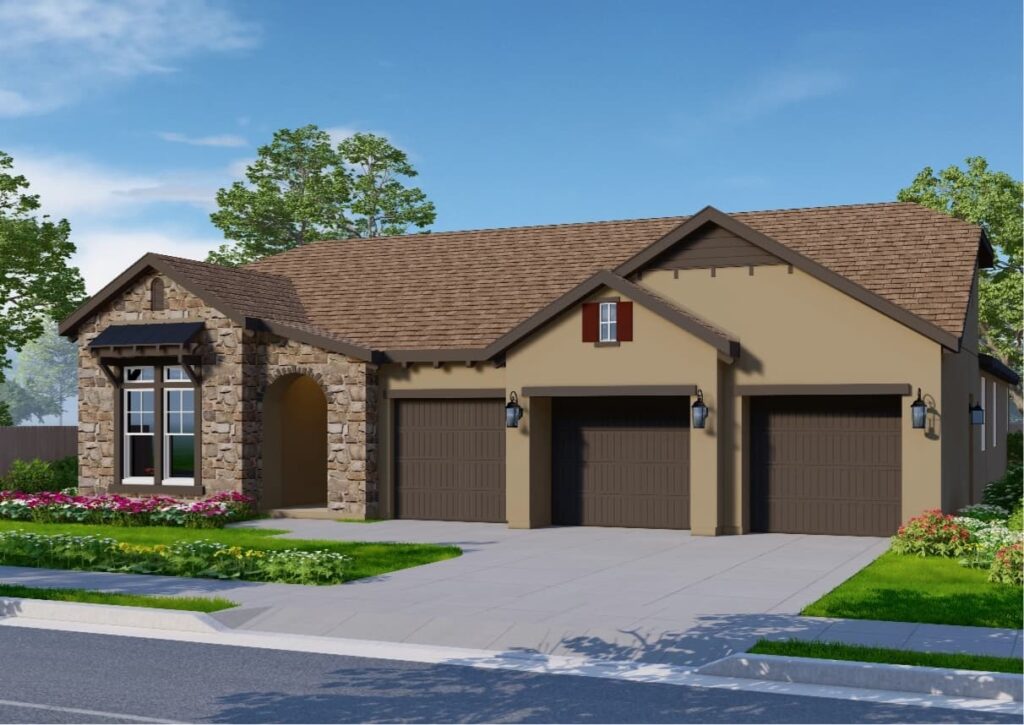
{"type": "Point", "coordinates": [466, 289]}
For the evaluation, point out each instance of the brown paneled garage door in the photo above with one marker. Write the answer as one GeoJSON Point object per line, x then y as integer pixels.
{"type": "Point", "coordinates": [621, 462]}
{"type": "Point", "coordinates": [825, 464]}
{"type": "Point", "coordinates": [450, 460]}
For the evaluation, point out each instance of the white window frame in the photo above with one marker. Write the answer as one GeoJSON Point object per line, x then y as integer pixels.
{"type": "Point", "coordinates": [608, 322]}
{"type": "Point", "coordinates": [176, 369]}
{"type": "Point", "coordinates": [127, 433]}
{"type": "Point", "coordinates": [983, 416]}
{"type": "Point", "coordinates": [167, 480]}
{"type": "Point", "coordinates": [994, 419]}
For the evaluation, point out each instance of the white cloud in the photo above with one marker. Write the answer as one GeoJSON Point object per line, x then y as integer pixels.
{"type": "Point", "coordinates": [70, 186]}
{"type": "Point", "coordinates": [340, 133]}
{"type": "Point", "coordinates": [228, 140]}
{"type": "Point", "coordinates": [65, 49]}
{"type": "Point", "coordinates": [784, 88]}
{"type": "Point", "coordinates": [103, 253]}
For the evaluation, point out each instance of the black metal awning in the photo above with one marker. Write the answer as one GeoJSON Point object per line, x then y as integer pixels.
{"type": "Point", "coordinates": [174, 337]}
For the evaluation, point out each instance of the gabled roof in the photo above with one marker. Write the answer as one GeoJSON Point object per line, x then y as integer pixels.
{"type": "Point", "coordinates": [456, 295]}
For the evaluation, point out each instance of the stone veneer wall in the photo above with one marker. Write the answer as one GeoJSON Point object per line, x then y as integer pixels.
{"type": "Point", "coordinates": [351, 431]}
{"type": "Point", "coordinates": [237, 367]}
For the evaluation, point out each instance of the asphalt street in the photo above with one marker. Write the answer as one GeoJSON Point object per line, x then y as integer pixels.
{"type": "Point", "coordinates": [49, 676]}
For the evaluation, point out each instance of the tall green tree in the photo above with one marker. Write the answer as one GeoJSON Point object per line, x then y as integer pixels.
{"type": "Point", "coordinates": [381, 204]}
{"type": "Point", "coordinates": [22, 405]}
{"type": "Point", "coordinates": [36, 282]}
{"type": "Point", "coordinates": [993, 200]}
{"type": "Point", "coordinates": [301, 188]}
{"type": "Point", "coordinates": [48, 372]}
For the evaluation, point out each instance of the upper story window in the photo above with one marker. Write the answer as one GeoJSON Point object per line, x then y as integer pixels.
{"type": "Point", "coordinates": [156, 295]}
{"type": "Point", "coordinates": [607, 322]}
{"type": "Point", "coordinates": [141, 374]}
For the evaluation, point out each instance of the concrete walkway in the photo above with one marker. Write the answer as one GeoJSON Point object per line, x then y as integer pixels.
{"type": "Point", "coordinates": [659, 596]}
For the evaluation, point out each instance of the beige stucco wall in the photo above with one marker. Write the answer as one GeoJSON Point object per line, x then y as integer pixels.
{"type": "Point", "coordinates": [795, 329]}
{"type": "Point", "coordinates": [661, 354]}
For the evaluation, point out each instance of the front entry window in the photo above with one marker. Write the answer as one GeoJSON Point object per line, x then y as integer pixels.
{"type": "Point", "coordinates": [158, 426]}
{"type": "Point", "coordinates": [139, 415]}
{"type": "Point", "coordinates": [179, 436]}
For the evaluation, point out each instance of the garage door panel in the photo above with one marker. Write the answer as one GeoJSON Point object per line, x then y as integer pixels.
{"type": "Point", "coordinates": [450, 460]}
{"type": "Point", "coordinates": [621, 462]}
{"type": "Point", "coordinates": [826, 465]}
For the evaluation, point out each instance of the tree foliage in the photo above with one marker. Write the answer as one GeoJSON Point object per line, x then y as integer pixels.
{"type": "Point", "coordinates": [301, 188]}
{"type": "Point", "coordinates": [36, 282]}
{"type": "Point", "coordinates": [993, 200]}
{"type": "Point", "coordinates": [48, 373]}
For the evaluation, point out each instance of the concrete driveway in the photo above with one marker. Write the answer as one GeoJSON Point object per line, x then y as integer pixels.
{"type": "Point", "coordinates": [616, 593]}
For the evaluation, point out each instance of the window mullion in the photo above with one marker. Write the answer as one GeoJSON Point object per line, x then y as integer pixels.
{"type": "Point", "coordinates": [158, 427]}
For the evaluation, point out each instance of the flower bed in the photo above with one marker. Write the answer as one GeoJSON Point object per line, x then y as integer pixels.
{"type": "Point", "coordinates": [211, 512]}
{"type": "Point", "coordinates": [978, 540]}
{"type": "Point", "coordinates": [205, 559]}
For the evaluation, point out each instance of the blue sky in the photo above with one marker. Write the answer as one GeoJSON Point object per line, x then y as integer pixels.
{"type": "Point", "coordinates": [127, 117]}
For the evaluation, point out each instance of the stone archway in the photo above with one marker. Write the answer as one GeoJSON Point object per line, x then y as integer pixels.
{"type": "Point", "coordinates": [294, 443]}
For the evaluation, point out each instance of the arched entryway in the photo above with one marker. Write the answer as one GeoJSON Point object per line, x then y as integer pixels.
{"type": "Point", "coordinates": [294, 443]}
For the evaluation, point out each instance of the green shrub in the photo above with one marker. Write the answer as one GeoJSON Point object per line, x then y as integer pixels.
{"type": "Point", "coordinates": [1006, 491]}
{"type": "Point", "coordinates": [65, 473]}
{"type": "Point", "coordinates": [1016, 520]}
{"type": "Point", "coordinates": [1008, 565]}
{"type": "Point", "coordinates": [932, 534]}
{"type": "Point", "coordinates": [1015, 448]}
{"type": "Point", "coordinates": [984, 512]}
{"type": "Point", "coordinates": [206, 559]}
{"type": "Point", "coordinates": [32, 476]}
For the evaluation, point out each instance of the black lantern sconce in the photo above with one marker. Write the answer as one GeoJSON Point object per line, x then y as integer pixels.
{"type": "Point", "coordinates": [513, 411]}
{"type": "Point", "coordinates": [977, 414]}
{"type": "Point", "coordinates": [700, 411]}
{"type": "Point", "coordinates": [917, 411]}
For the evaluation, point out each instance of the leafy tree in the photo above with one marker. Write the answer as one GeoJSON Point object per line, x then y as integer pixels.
{"type": "Point", "coordinates": [381, 205]}
{"type": "Point", "coordinates": [48, 372]}
{"type": "Point", "coordinates": [36, 282]}
{"type": "Point", "coordinates": [993, 200]}
{"type": "Point", "coordinates": [297, 192]}
{"type": "Point", "coordinates": [301, 189]}
{"type": "Point", "coordinates": [21, 405]}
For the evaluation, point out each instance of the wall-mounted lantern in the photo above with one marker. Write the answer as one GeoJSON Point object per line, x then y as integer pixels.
{"type": "Point", "coordinates": [917, 411]}
{"type": "Point", "coordinates": [700, 411]}
{"type": "Point", "coordinates": [977, 414]}
{"type": "Point", "coordinates": [513, 411]}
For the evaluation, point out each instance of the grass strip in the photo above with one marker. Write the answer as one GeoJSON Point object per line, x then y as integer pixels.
{"type": "Point", "coordinates": [926, 589]}
{"type": "Point", "coordinates": [89, 596]}
{"type": "Point", "coordinates": [857, 653]}
{"type": "Point", "coordinates": [368, 558]}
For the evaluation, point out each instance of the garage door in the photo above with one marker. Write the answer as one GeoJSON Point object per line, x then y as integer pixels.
{"type": "Point", "coordinates": [621, 462]}
{"type": "Point", "coordinates": [450, 460]}
{"type": "Point", "coordinates": [825, 465]}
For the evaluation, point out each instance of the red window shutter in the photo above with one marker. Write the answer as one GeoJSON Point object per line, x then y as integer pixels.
{"type": "Point", "coordinates": [590, 321]}
{"type": "Point", "coordinates": [625, 322]}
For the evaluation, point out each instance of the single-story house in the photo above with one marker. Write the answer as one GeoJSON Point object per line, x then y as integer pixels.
{"type": "Point", "coordinates": [807, 370]}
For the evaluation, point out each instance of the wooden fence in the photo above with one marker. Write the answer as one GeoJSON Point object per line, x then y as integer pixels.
{"type": "Point", "coordinates": [46, 442]}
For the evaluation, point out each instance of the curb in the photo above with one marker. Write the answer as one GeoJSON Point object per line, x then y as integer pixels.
{"type": "Point", "coordinates": [110, 614]}
{"type": "Point", "coordinates": [870, 676]}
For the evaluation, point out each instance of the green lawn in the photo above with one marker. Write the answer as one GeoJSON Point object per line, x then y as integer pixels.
{"type": "Point", "coordinates": [923, 589]}
{"type": "Point", "coordinates": [192, 604]}
{"type": "Point", "coordinates": [368, 558]}
{"type": "Point", "coordinates": [856, 653]}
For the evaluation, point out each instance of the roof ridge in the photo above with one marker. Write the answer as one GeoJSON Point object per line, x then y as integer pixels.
{"type": "Point", "coordinates": [245, 269]}
{"type": "Point", "coordinates": [825, 207]}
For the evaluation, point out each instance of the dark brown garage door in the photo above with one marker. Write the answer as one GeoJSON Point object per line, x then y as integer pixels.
{"type": "Point", "coordinates": [450, 460]}
{"type": "Point", "coordinates": [825, 465]}
{"type": "Point", "coordinates": [621, 462]}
